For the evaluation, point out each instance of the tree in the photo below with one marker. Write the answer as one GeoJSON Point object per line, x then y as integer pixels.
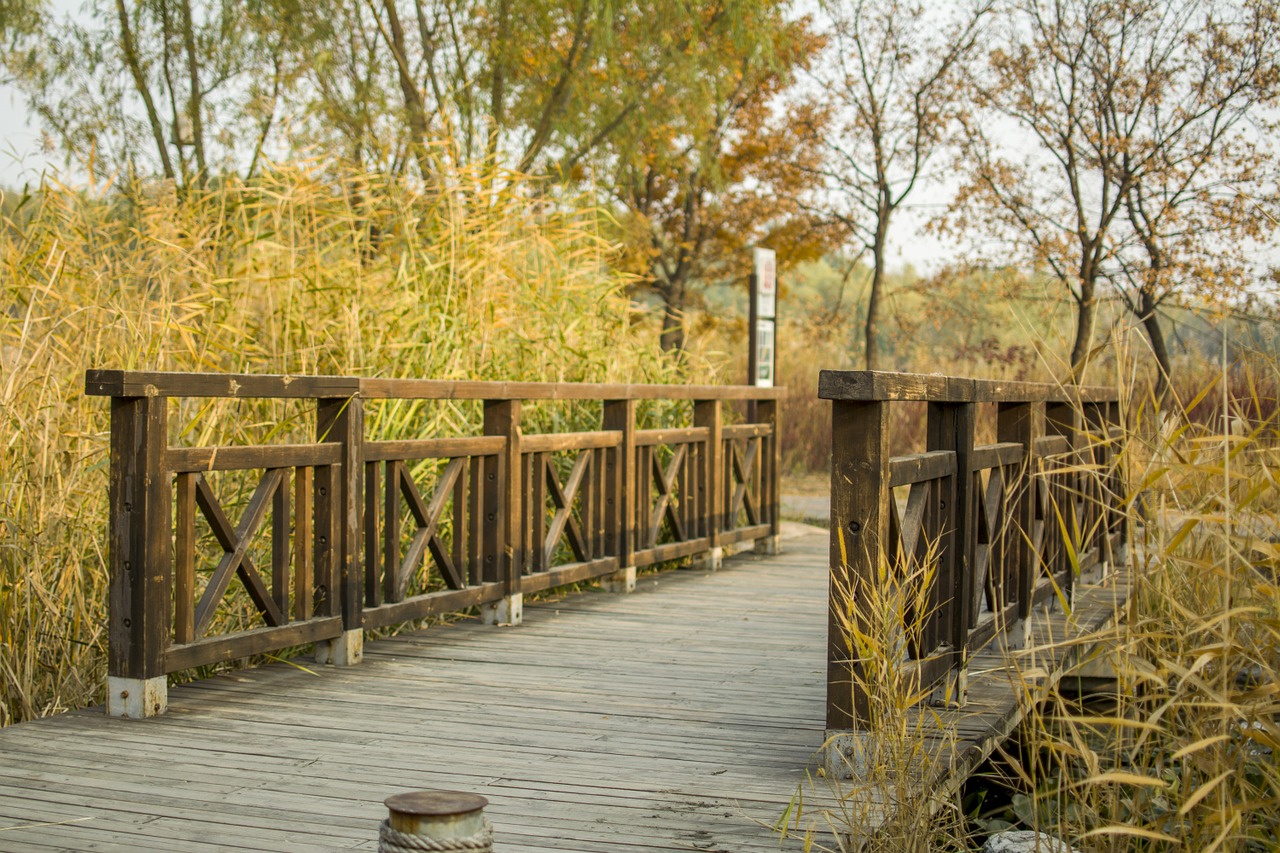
{"type": "Point", "coordinates": [543, 86]}
{"type": "Point", "coordinates": [1200, 160]}
{"type": "Point", "coordinates": [720, 172]}
{"type": "Point", "coordinates": [1056, 193]}
{"type": "Point", "coordinates": [892, 74]}
{"type": "Point", "coordinates": [668, 109]}
{"type": "Point", "coordinates": [1130, 108]}
{"type": "Point", "coordinates": [18, 17]}
{"type": "Point", "coordinates": [191, 83]}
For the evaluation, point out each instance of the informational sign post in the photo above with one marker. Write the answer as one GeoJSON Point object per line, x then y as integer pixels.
{"type": "Point", "coordinates": [764, 353]}
{"type": "Point", "coordinates": [762, 324]}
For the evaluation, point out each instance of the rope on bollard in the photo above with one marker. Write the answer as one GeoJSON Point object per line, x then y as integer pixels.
{"type": "Point", "coordinates": [394, 841]}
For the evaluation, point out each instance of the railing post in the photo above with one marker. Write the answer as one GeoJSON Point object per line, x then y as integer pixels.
{"type": "Point", "coordinates": [503, 503]}
{"type": "Point", "coordinates": [1095, 518]}
{"type": "Point", "coordinates": [770, 464]}
{"type": "Point", "coordinates": [708, 413]}
{"type": "Point", "coordinates": [1063, 418]}
{"type": "Point", "coordinates": [859, 532]}
{"type": "Point", "coordinates": [951, 428]}
{"type": "Point", "coordinates": [1021, 423]}
{"type": "Point", "coordinates": [139, 557]}
{"type": "Point", "coordinates": [1117, 488]}
{"type": "Point", "coordinates": [341, 421]}
{"type": "Point", "coordinates": [620, 477]}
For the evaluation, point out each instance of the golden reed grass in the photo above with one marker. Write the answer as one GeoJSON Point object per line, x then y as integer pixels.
{"type": "Point", "coordinates": [307, 270]}
{"type": "Point", "coordinates": [1183, 751]}
{"type": "Point", "coordinates": [1185, 755]}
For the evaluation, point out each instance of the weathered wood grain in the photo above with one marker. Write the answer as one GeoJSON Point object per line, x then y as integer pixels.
{"type": "Point", "coordinates": [138, 383]}
{"type": "Point", "coordinates": [869, 385]}
{"type": "Point", "coordinates": [671, 752]}
{"type": "Point", "coordinates": [178, 459]}
{"type": "Point", "coordinates": [434, 448]}
{"type": "Point", "coordinates": [710, 716]}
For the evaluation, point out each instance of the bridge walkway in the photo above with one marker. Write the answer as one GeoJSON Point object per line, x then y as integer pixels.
{"type": "Point", "coordinates": [680, 717]}
{"type": "Point", "coordinates": [685, 716]}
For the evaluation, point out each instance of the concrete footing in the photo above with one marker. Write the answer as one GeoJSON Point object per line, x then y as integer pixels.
{"type": "Point", "coordinates": [1019, 635]}
{"type": "Point", "coordinates": [508, 610]}
{"type": "Point", "coordinates": [347, 649]}
{"type": "Point", "coordinates": [136, 698]}
{"type": "Point", "coordinates": [620, 581]}
{"type": "Point", "coordinates": [709, 561]}
{"type": "Point", "coordinates": [848, 754]}
{"type": "Point", "coordinates": [769, 546]}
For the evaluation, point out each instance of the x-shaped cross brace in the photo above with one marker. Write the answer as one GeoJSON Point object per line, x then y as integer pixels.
{"type": "Point", "coordinates": [235, 545]}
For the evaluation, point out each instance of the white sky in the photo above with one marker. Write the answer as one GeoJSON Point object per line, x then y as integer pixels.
{"type": "Point", "coordinates": [20, 150]}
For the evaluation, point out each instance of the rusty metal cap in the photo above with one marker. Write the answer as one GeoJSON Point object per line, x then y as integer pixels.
{"type": "Point", "coordinates": [435, 803]}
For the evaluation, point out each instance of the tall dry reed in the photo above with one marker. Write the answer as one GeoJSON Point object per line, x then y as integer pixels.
{"type": "Point", "coordinates": [307, 270]}
{"type": "Point", "coordinates": [1186, 754]}
{"type": "Point", "coordinates": [1182, 750]}
{"type": "Point", "coordinates": [888, 788]}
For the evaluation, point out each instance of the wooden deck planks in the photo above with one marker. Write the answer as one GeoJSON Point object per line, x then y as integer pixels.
{"type": "Point", "coordinates": [678, 718]}
{"type": "Point", "coordinates": [682, 717]}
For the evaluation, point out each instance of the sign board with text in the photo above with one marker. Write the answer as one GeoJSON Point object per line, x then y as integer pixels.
{"type": "Point", "coordinates": [761, 324]}
{"type": "Point", "coordinates": [764, 354]}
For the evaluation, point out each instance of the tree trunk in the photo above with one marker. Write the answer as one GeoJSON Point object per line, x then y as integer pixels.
{"type": "Point", "coordinates": [672, 339]}
{"type": "Point", "coordinates": [1086, 311]}
{"type": "Point", "coordinates": [871, 329]}
{"type": "Point", "coordinates": [498, 90]}
{"type": "Point", "coordinates": [413, 105]}
{"type": "Point", "coordinates": [140, 83]}
{"type": "Point", "coordinates": [1159, 348]}
{"type": "Point", "coordinates": [195, 105]}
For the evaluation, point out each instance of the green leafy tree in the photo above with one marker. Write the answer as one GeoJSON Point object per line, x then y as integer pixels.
{"type": "Point", "coordinates": [18, 18]}
{"type": "Point", "coordinates": [179, 86]}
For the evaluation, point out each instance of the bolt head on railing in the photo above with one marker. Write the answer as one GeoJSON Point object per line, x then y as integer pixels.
{"type": "Point", "coordinates": [438, 815]}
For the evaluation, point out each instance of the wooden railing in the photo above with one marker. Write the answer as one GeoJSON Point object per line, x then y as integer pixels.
{"type": "Point", "coordinates": [366, 534]}
{"type": "Point", "coordinates": [1002, 527]}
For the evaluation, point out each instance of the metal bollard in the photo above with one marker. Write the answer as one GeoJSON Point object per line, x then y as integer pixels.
{"type": "Point", "coordinates": [435, 821]}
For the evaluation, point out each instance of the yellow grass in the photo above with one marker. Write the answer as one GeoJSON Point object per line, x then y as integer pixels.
{"type": "Point", "coordinates": [1185, 755]}
{"type": "Point", "coordinates": [307, 270]}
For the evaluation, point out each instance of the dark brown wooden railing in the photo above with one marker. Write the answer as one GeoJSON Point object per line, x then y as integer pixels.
{"type": "Point", "coordinates": [366, 534]}
{"type": "Point", "coordinates": [1005, 526]}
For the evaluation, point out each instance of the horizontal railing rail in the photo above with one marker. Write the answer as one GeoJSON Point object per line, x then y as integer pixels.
{"type": "Point", "coordinates": [993, 530]}
{"type": "Point", "coordinates": [355, 534]}
{"type": "Point", "coordinates": [138, 383]}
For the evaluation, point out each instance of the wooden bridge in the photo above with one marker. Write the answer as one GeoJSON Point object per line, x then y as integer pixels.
{"type": "Point", "coordinates": [684, 716]}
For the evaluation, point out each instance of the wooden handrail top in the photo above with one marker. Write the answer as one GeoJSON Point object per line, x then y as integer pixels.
{"type": "Point", "coordinates": [197, 459]}
{"type": "Point", "coordinates": [444, 389]}
{"type": "Point", "coordinates": [135, 383]}
{"type": "Point", "coordinates": [996, 455]}
{"type": "Point", "coordinates": [921, 467]}
{"type": "Point", "coordinates": [872, 385]}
